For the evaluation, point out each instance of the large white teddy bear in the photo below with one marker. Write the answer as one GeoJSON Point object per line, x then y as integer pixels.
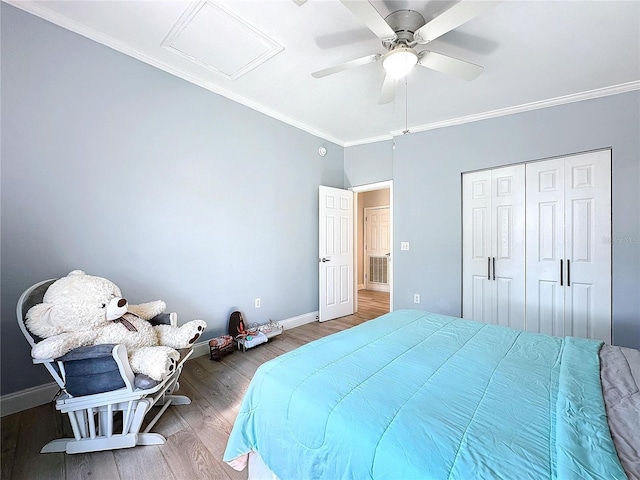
{"type": "Point", "coordinates": [81, 309]}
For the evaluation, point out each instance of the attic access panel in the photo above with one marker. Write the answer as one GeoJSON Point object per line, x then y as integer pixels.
{"type": "Point", "coordinates": [219, 40]}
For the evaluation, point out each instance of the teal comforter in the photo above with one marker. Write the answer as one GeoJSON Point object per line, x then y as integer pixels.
{"type": "Point", "coordinates": [420, 395]}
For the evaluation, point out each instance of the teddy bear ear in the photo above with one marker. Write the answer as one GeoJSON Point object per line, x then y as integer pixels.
{"type": "Point", "coordinates": [39, 320]}
{"type": "Point", "coordinates": [76, 272]}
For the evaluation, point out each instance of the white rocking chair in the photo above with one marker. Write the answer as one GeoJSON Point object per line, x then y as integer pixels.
{"type": "Point", "coordinates": [92, 415]}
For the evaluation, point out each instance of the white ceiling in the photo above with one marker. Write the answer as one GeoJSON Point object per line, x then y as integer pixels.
{"type": "Point", "coordinates": [261, 53]}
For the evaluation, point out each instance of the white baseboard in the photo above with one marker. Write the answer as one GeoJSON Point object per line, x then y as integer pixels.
{"type": "Point", "coordinates": [303, 319]}
{"type": "Point", "coordinates": [27, 398]}
{"type": "Point", "coordinates": [361, 286]}
{"type": "Point", "coordinates": [36, 396]}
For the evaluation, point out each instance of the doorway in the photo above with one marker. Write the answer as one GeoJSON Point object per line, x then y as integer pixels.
{"type": "Point", "coordinates": [373, 196]}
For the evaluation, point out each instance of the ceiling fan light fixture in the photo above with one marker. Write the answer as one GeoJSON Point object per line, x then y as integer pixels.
{"type": "Point", "coordinates": [400, 61]}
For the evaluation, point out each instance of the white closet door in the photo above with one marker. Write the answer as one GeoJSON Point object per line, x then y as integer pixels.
{"type": "Point", "coordinates": [545, 246]}
{"type": "Point", "coordinates": [587, 245]}
{"type": "Point", "coordinates": [476, 246]}
{"type": "Point", "coordinates": [493, 246]}
{"type": "Point", "coordinates": [508, 246]}
{"type": "Point", "coordinates": [568, 249]}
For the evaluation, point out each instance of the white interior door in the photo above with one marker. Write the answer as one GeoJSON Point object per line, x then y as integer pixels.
{"type": "Point", "coordinates": [336, 258]}
{"type": "Point", "coordinates": [377, 248]}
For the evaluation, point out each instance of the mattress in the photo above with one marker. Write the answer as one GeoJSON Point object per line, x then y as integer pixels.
{"type": "Point", "coordinates": [419, 395]}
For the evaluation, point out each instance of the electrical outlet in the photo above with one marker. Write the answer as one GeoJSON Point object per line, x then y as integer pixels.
{"type": "Point", "coordinates": [416, 298]}
{"type": "Point", "coordinates": [257, 302]}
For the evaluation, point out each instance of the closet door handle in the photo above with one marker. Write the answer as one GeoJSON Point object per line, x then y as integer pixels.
{"type": "Point", "coordinates": [494, 268]}
{"type": "Point", "coordinates": [568, 273]}
{"type": "Point", "coordinates": [561, 273]}
{"type": "Point", "coordinates": [488, 268]}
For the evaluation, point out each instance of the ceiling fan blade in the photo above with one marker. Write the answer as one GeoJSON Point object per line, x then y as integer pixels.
{"type": "Point", "coordinates": [388, 92]}
{"type": "Point", "coordinates": [367, 14]}
{"type": "Point", "coordinates": [449, 65]}
{"type": "Point", "coordinates": [344, 66]}
{"type": "Point", "coordinates": [457, 15]}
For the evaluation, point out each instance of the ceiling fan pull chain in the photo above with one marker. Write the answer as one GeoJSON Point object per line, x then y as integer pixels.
{"type": "Point", "coordinates": [406, 106]}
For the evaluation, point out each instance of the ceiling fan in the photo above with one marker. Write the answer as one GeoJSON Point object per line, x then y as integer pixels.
{"type": "Point", "coordinates": [401, 32]}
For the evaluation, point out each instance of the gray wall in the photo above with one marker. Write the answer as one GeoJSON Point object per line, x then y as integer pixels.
{"type": "Point", "coordinates": [368, 163]}
{"type": "Point", "coordinates": [114, 167]}
{"type": "Point", "coordinates": [427, 199]}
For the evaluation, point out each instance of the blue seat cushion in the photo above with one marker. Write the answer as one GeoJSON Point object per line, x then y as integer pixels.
{"type": "Point", "coordinates": [91, 370]}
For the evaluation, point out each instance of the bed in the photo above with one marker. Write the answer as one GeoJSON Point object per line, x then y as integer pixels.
{"type": "Point", "coordinates": [414, 394]}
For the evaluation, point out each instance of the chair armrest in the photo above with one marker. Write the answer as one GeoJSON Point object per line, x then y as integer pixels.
{"type": "Point", "coordinates": [96, 369]}
{"type": "Point", "coordinates": [90, 351]}
{"type": "Point", "coordinates": [165, 319]}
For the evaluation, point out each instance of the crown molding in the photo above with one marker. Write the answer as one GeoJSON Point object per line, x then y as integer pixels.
{"type": "Point", "coordinates": [526, 107]}
{"type": "Point", "coordinates": [364, 141]}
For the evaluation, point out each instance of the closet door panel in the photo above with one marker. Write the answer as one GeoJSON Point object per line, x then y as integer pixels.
{"type": "Point", "coordinates": [545, 246]}
{"type": "Point", "coordinates": [550, 304]}
{"type": "Point", "coordinates": [476, 246]}
{"type": "Point", "coordinates": [504, 303]}
{"type": "Point", "coordinates": [579, 305]}
{"type": "Point", "coordinates": [508, 240]}
{"type": "Point", "coordinates": [587, 245]}
{"type": "Point", "coordinates": [478, 303]}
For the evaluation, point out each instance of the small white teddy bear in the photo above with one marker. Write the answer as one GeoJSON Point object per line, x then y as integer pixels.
{"type": "Point", "coordinates": [81, 309]}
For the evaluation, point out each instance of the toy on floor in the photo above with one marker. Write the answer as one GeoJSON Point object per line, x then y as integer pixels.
{"type": "Point", "coordinates": [245, 337]}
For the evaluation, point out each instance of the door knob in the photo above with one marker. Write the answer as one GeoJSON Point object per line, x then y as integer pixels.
{"type": "Point", "coordinates": [325, 260]}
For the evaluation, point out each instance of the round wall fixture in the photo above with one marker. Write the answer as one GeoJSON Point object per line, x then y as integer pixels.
{"type": "Point", "coordinates": [322, 151]}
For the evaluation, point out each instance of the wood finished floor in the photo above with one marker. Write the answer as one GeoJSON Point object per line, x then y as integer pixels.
{"type": "Point", "coordinates": [196, 434]}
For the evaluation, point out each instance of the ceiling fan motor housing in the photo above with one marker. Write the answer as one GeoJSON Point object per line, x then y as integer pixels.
{"type": "Point", "coordinates": [404, 23]}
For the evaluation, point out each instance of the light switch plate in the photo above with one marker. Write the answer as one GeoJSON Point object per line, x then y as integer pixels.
{"type": "Point", "coordinates": [404, 245]}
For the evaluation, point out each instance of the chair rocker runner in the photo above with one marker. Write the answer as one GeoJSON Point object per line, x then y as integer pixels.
{"type": "Point", "coordinates": [92, 415]}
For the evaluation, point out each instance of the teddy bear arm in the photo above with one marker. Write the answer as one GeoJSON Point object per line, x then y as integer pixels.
{"type": "Point", "coordinates": [148, 310]}
{"type": "Point", "coordinates": [180, 337]}
{"type": "Point", "coordinates": [61, 344]}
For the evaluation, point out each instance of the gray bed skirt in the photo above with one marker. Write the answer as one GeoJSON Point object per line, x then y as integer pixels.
{"type": "Point", "coordinates": [620, 375]}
